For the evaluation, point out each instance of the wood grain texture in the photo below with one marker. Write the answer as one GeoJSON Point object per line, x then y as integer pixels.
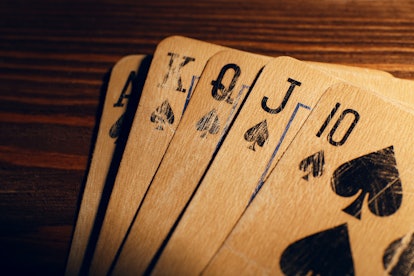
{"type": "Point", "coordinates": [54, 56]}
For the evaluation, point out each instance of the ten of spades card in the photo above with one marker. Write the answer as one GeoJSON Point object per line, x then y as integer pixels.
{"type": "Point", "coordinates": [339, 201]}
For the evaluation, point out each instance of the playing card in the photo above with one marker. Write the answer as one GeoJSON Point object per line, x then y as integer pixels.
{"type": "Point", "coordinates": [174, 71]}
{"type": "Point", "coordinates": [124, 88]}
{"type": "Point", "coordinates": [253, 145]}
{"type": "Point", "coordinates": [223, 86]}
{"type": "Point", "coordinates": [339, 201]}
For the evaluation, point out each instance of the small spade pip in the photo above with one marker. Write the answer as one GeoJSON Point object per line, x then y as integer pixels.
{"type": "Point", "coordinates": [209, 123]}
{"type": "Point", "coordinates": [162, 115]}
{"type": "Point", "coordinates": [313, 165]}
{"type": "Point", "coordinates": [257, 134]}
{"type": "Point", "coordinates": [115, 129]}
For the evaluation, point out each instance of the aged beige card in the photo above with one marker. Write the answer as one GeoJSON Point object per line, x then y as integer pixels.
{"type": "Point", "coordinates": [339, 201]}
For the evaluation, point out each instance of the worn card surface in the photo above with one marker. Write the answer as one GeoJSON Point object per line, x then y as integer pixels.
{"type": "Point", "coordinates": [276, 108]}
{"type": "Point", "coordinates": [175, 69]}
{"type": "Point", "coordinates": [224, 84]}
{"type": "Point", "coordinates": [124, 88]}
{"type": "Point", "coordinates": [339, 202]}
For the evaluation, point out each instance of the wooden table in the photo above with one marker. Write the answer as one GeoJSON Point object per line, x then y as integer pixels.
{"type": "Point", "coordinates": [54, 56]}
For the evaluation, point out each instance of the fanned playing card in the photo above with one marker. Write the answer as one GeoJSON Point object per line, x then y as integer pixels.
{"type": "Point", "coordinates": [121, 99]}
{"type": "Point", "coordinates": [174, 71]}
{"type": "Point", "coordinates": [222, 88]}
{"type": "Point", "coordinates": [354, 216]}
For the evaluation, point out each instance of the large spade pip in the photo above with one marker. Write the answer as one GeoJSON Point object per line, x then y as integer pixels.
{"type": "Point", "coordinates": [324, 253]}
{"type": "Point", "coordinates": [376, 175]}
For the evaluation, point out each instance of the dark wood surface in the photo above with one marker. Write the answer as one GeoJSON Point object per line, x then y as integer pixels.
{"type": "Point", "coordinates": [55, 55]}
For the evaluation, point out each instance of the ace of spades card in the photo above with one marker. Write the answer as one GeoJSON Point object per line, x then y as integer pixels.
{"type": "Point", "coordinates": [354, 216]}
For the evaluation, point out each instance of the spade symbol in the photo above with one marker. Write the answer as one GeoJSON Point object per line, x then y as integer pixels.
{"type": "Point", "coordinates": [209, 123]}
{"type": "Point", "coordinates": [399, 257]}
{"type": "Point", "coordinates": [323, 253]}
{"type": "Point", "coordinates": [116, 127]}
{"type": "Point", "coordinates": [258, 134]}
{"type": "Point", "coordinates": [375, 174]}
{"type": "Point", "coordinates": [313, 164]}
{"type": "Point", "coordinates": [163, 114]}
